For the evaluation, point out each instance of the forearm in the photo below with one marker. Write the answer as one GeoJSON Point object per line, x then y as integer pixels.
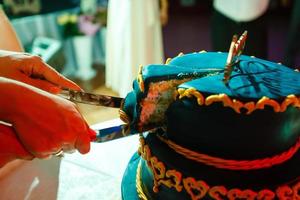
{"type": "Point", "coordinates": [8, 37]}
{"type": "Point", "coordinates": [7, 52]}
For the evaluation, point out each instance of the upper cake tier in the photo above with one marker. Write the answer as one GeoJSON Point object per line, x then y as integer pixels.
{"type": "Point", "coordinates": [254, 85]}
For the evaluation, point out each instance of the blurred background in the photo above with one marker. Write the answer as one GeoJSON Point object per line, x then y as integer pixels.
{"type": "Point", "coordinates": [73, 37]}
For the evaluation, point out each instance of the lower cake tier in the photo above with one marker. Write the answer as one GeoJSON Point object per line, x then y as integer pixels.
{"type": "Point", "coordinates": [161, 174]}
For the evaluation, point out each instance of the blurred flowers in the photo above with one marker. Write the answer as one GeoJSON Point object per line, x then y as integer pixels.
{"type": "Point", "coordinates": [74, 24]}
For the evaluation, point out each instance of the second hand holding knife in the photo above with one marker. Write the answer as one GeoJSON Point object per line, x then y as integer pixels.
{"type": "Point", "coordinates": [103, 134]}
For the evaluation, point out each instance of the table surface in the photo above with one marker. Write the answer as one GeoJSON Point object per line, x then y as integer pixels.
{"type": "Point", "coordinates": [96, 175]}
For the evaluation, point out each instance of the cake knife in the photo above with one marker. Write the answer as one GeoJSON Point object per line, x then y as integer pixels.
{"type": "Point", "coordinates": [102, 134]}
{"type": "Point", "coordinates": [90, 98]}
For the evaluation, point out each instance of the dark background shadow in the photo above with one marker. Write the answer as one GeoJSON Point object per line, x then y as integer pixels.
{"type": "Point", "coordinates": [188, 29]}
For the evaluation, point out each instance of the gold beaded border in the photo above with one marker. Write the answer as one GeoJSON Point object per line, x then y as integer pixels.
{"type": "Point", "coordinates": [198, 189]}
{"type": "Point", "coordinates": [139, 187]}
{"type": "Point", "coordinates": [233, 164]}
{"type": "Point", "coordinates": [290, 100]}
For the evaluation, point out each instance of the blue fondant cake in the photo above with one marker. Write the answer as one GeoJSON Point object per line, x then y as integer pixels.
{"type": "Point", "coordinates": [201, 138]}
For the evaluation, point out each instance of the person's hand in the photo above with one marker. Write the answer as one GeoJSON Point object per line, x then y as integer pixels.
{"type": "Point", "coordinates": [32, 70]}
{"type": "Point", "coordinates": [43, 123]}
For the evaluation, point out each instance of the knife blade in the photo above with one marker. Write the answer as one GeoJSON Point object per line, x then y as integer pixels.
{"type": "Point", "coordinates": [92, 99]}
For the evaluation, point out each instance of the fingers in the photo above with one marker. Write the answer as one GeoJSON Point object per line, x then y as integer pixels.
{"type": "Point", "coordinates": [54, 77]}
{"type": "Point", "coordinates": [83, 140]}
{"type": "Point", "coordinates": [82, 143]}
{"type": "Point", "coordinates": [85, 136]}
{"type": "Point", "coordinates": [68, 148]}
{"type": "Point", "coordinates": [65, 137]}
{"type": "Point", "coordinates": [51, 75]}
{"type": "Point", "coordinates": [36, 68]}
{"type": "Point", "coordinates": [41, 84]}
{"type": "Point", "coordinates": [47, 124]}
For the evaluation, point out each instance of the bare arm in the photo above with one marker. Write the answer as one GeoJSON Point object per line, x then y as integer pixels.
{"type": "Point", "coordinates": [8, 37]}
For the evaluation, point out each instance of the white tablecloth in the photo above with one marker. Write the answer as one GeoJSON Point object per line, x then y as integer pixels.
{"type": "Point", "coordinates": [96, 175]}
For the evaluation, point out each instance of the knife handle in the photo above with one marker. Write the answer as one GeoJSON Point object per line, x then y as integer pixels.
{"type": "Point", "coordinates": [108, 133]}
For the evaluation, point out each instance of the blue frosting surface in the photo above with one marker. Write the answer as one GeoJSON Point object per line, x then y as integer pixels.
{"type": "Point", "coordinates": [252, 77]}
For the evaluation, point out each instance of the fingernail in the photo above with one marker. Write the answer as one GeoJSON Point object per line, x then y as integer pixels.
{"type": "Point", "coordinates": [92, 134]}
